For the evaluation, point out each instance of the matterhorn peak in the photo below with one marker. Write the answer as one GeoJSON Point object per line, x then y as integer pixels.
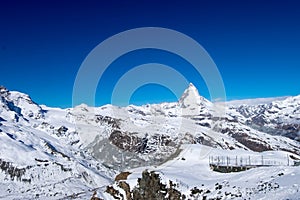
{"type": "Point", "coordinates": [190, 96]}
{"type": "Point", "coordinates": [192, 88]}
{"type": "Point", "coordinates": [192, 100]}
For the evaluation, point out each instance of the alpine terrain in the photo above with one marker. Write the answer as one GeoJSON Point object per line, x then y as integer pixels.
{"type": "Point", "coordinates": [190, 149]}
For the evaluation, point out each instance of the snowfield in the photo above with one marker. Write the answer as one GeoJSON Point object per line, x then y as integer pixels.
{"type": "Point", "coordinates": [53, 153]}
{"type": "Point", "coordinates": [191, 169]}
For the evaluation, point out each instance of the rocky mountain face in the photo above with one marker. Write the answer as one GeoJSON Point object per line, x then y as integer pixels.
{"type": "Point", "coordinates": [152, 134]}
{"type": "Point", "coordinates": [149, 187]}
{"type": "Point", "coordinates": [42, 146]}
{"type": "Point", "coordinates": [276, 118]}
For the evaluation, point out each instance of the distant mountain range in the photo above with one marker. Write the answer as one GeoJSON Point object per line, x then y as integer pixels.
{"type": "Point", "coordinates": [52, 152]}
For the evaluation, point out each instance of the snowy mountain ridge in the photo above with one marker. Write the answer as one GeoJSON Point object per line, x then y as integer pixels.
{"type": "Point", "coordinates": [53, 152]}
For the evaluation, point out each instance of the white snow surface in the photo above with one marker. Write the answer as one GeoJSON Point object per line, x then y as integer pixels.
{"type": "Point", "coordinates": [255, 101]}
{"type": "Point", "coordinates": [276, 182]}
{"type": "Point", "coordinates": [52, 147]}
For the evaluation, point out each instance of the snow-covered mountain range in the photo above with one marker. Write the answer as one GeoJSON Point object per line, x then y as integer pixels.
{"type": "Point", "coordinates": [61, 153]}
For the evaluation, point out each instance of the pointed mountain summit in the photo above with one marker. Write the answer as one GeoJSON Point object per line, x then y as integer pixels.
{"type": "Point", "coordinates": [192, 101]}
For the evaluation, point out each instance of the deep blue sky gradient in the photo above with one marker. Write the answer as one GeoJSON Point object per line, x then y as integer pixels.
{"type": "Point", "coordinates": [255, 44]}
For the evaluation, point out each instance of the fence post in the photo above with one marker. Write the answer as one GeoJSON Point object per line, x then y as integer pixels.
{"type": "Point", "coordinates": [262, 160]}
{"type": "Point", "coordinates": [249, 161]}
{"type": "Point", "coordinates": [223, 161]}
{"type": "Point", "coordinates": [288, 160]}
{"type": "Point", "coordinates": [227, 161]}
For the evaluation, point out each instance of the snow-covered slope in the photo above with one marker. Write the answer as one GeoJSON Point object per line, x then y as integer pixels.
{"type": "Point", "coordinates": [52, 152]}
{"type": "Point", "coordinates": [190, 174]}
{"type": "Point", "coordinates": [38, 156]}
{"type": "Point", "coordinates": [151, 134]}
{"type": "Point", "coordinates": [280, 117]}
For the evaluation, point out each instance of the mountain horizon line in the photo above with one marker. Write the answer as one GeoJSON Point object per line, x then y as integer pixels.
{"type": "Point", "coordinates": [236, 102]}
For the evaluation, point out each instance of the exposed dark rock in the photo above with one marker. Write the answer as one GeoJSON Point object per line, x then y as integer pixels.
{"type": "Point", "coordinates": [13, 108]}
{"type": "Point", "coordinates": [114, 123]}
{"type": "Point", "coordinates": [113, 192]}
{"type": "Point", "coordinates": [259, 120]}
{"type": "Point", "coordinates": [3, 91]}
{"type": "Point", "coordinates": [133, 110]}
{"type": "Point", "coordinates": [122, 176]}
{"type": "Point", "coordinates": [40, 160]}
{"type": "Point", "coordinates": [62, 130]}
{"type": "Point", "coordinates": [225, 119]}
{"type": "Point", "coordinates": [62, 167]}
{"type": "Point", "coordinates": [125, 141]}
{"type": "Point", "coordinates": [251, 143]}
{"type": "Point", "coordinates": [53, 150]}
{"type": "Point", "coordinates": [2, 120]}
{"type": "Point", "coordinates": [129, 142]}
{"type": "Point", "coordinates": [150, 187]}
{"type": "Point", "coordinates": [125, 186]}
{"type": "Point", "coordinates": [94, 197]}
{"type": "Point", "coordinates": [195, 191]}
{"type": "Point", "coordinates": [204, 124]}
{"type": "Point", "coordinates": [13, 172]}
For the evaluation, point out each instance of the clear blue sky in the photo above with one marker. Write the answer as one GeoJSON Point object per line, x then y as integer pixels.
{"type": "Point", "coordinates": [255, 44]}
